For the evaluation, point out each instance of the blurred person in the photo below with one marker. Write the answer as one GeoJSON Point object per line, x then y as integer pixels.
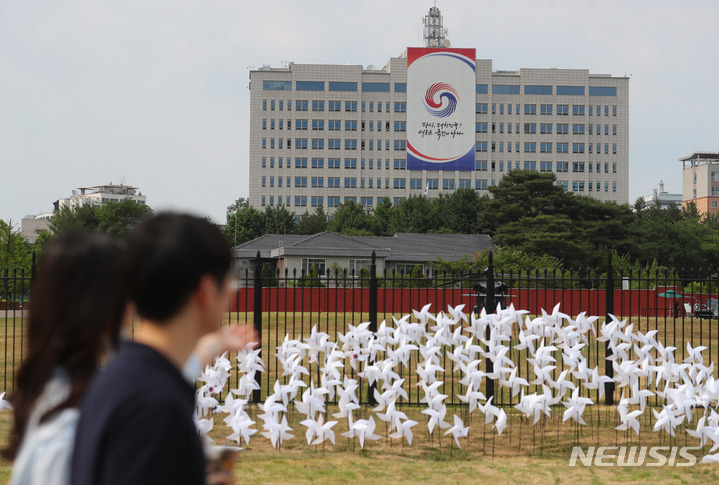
{"type": "Point", "coordinates": [136, 421]}
{"type": "Point", "coordinates": [77, 308]}
{"type": "Point", "coordinates": [80, 312]}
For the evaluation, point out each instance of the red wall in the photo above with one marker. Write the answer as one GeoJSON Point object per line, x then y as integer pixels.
{"type": "Point", "coordinates": [394, 300]}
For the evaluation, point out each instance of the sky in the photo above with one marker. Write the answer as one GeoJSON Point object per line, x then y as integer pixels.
{"type": "Point", "coordinates": [155, 93]}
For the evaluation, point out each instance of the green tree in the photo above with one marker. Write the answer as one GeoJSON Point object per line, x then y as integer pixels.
{"type": "Point", "coordinates": [244, 225]}
{"type": "Point", "coordinates": [382, 218]}
{"type": "Point", "coordinates": [350, 218]}
{"type": "Point", "coordinates": [312, 223]}
{"type": "Point", "coordinates": [119, 218]}
{"type": "Point", "coordinates": [524, 193]}
{"type": "Point", "coordinates": [75, 218]}
{"type": "Point", "coordinates": [15, 259]}
{"type": "Point", "coordinates": [414, 215]}
{"type": "Point", "coordinates": [553, 235]}
{"type": "Point", "coordinates": [462, 209]}
{"type": "Point", "coordinates": [278, 220]}
{"type": "Point", "coordinates": [114, 218]}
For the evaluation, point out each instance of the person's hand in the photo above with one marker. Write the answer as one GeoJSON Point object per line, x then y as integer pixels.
{"type": "Point", "coordinates": [231, 338]}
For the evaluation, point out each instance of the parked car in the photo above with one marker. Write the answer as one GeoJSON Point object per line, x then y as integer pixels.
{"type": "Point", "coordinates": [709, 310]}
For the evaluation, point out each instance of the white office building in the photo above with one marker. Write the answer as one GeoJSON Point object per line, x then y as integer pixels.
{"type": "Point", "coordinates": [431, 121]}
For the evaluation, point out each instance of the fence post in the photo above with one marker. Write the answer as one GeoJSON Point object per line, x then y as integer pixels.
{"type": "Point", "coordinates": [257, 321]}
{"type": "Point", "coordinates": [489, 307]}
{"type": "Point", "coordinates": [372, 317]}
{"type": "Point", "coordinates": [608, 368]}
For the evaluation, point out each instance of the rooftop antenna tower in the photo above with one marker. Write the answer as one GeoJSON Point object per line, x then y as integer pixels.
{"type": "Point", "coordinates": [435, 35]}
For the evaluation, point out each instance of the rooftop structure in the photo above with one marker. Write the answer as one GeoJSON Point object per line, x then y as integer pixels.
{"type": "Point", "coordinates": [700, 181]}
{"type": "Point", "coordinates": [101, 194]}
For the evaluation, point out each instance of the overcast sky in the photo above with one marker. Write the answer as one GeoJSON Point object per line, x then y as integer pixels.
{"type": "Point", "coordinates": [155, 93]}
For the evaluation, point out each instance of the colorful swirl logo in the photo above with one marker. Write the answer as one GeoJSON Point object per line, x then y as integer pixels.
{"type": "Point", "coordinates": [448, 98]}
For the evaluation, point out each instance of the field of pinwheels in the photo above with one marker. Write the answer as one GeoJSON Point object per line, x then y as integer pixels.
{"type": "Point", "coordinates": [425, 380]}
{"type": "Point", "coordinates": [451, 396]}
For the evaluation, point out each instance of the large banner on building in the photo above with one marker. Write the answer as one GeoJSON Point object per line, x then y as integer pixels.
{"type": "Point", "coordinates": [440, 108]}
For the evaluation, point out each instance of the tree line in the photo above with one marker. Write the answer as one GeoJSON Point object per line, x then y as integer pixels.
{"type": "Point", "coordinates": [528, 216]}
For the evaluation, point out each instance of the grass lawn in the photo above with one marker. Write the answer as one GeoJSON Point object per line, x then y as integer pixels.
{"type": "Point", "coordinates": [523, 454]}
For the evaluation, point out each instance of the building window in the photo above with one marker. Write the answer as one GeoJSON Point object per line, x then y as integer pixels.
{"type": "Point", "coordinates": [562, 147]}
{"type": "Point", "coordinates": [465, 183]}
{"type": "Point", "coordinates": [400, 145]}
{"type": "Point", "coordinates": [545, 128]}
{"type": "Point", "coordinates": [400, 107]}
{"type": "Point", "coordinates": [350, 163]}
{"type": "Point", "coordinates": [577, 129]}
{"type": "Point", "coordinates": [480, 184]}
{"type": "Point", "coordinates": [530, 109]}
{"type": "Point", "coordinates": [530, 128]}
{"type": "Point", "coordinates": [481, 146]}
{"type": "Point", "coordinates": [530, 166]}
{"type": "Point", "coordinates": [335, 105]}
{"type": "Point", "coordinates": [480, 165]}
{"type": "Point", "coordinates": [577, 147]}
{"type": "Point", "coordinates": [545, 147]}
{"type": "Point", "coordinates": [570, 90]}
{"type": "Point", "coordinates": [318, 143]}
{"type": "Point", "coordinates": [343, 86]}
{"type": "Point", "coordinates": [301, 201]}
{"type": "Point", "coordinates": [350, 182]}
{"type": "Point", "coordinates": [333, 182]}
{"type": "Point", "coordinates": [546, 109]}
{"type": "Point", "coordinates": [400, 164]}
{"type": "Point", "coordinates": [317, 263]}
{"type": "Point", "coordinates": [318, 105]}
{"type": "Point", "coordinates": [300, 162]}
{"type": "Point", "coordinates": [333, 163]}
{"type": "Point", "coordinates": [481, 127]}
{"type": "Point", "coordinates": [350, 144]}
{"type": "Point", "coordinates": [530, 147]}
{"type": "Point", "coordinates": [545, 166]}
{"type": "Point", "coordinates": [333, 201]}
{"type": "Point", "coordinates": [578, 110]}
{"type": "Point", "coordinates": [333, 144]}
{"type": "Point", "coordinates": [300, 181]}
{"type": "Point", "coordinates": [577, 167]}
{"type": "Point", "coordinates": [318, 182]}
{"type": "Point", "coordinates": [448, 184]}
{"type": "Point", "coordinates": [563, 109]}
{"type": "Point", "coordinates": [482, 108]}
{"type": "Point", "coordinates": [317, 200]}
{"type": "Point", "coordinates": [350, 125]}
{"type": "Point", "coordinates": [562, 128]}
{"type": "Point", "coordinates": [301, 105]}
{"type": "Point", "coordinates": [318, 125]}
{"type": "Point", "coordinates": [562, 166]}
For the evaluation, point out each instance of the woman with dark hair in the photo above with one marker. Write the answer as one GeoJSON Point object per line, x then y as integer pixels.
{"type": "Point", "coordinates": [78, 305]}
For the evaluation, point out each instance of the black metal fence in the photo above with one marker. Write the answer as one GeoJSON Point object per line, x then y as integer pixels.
{"type": "Point", "coordinates": [680, 306]}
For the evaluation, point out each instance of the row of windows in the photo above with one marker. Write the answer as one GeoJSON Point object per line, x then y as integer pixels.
{"type": "Point", "coordinates": [332, 144]}
{"type": "Point", "coordinates": [334, 201]}
{"type": "Point", "coordinates": [545, 128]}
{"type": "Point", "coordinates": [332, 106]}
{"type": "Point", "coordinates": [401, 164]}
{"type": "Point", "coordinates": [546, 109]}
{"type": "Point", "coordinates": [432, 183]}
{"type": "Point", "coordinates": [372, 87]}
{"type": "Point", "coordinates": [481, 108]}
{"type": "Point", "coordinates": [384, 87]}
{"type": "Point", "coordinates": [547, 90]}
{"type": "Point", "coordinates": [332, 125]}
{"type": "Point", "coordinates": [336, 163]}
{"type": "Point", "coordinates": [545, 147]}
